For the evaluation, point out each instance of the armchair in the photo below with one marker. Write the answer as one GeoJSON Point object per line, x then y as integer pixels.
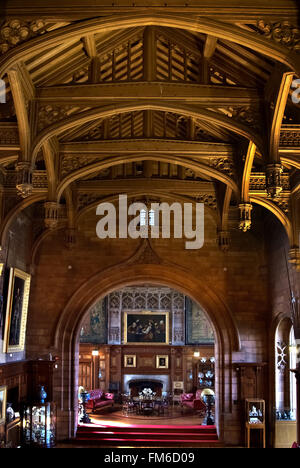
{"type": "Point", "coordinates": [192, 402]}
{"type": "Point", "coordinates": [99, 399]}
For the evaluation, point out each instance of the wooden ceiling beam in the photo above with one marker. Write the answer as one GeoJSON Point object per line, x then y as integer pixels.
{"type": "Point", "coordinates": [247, 172]}
{"type": "Point", "coordinates": [209, 47]}
{"type": "Point", "coordinates": [200, 25]}
{"type": "Point", "coordinates": [111, 110]}
{"type": "Point", "coordinates": [182, 38]}
{"type": "Point", "coordinates": [147, 146]}
{"type": "Point", "coordinates": [204, 170]}
{"type": "Point", "coordinates": [201, 94]}
{"type": "Point", "coordinates": [41, 73]}
{"type": "Point", "coordinates": [50, 151]}
{"type": "Point", "coordinates": [90, 45]}
{"type": "Point", "coordinates": [188, 187]}
{"type": "Point", "coordinates": [229, 10]}
{"type": "Point", "coordinates": [279, 105]}
{"type": "Point", "coordinates": [20, 103]}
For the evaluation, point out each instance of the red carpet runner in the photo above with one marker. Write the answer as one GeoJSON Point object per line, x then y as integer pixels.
{"type": "Point", "coordinates": [147, 436]}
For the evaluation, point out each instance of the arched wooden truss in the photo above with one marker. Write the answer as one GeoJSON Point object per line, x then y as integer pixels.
{"type": "Point", "coordinates": [205, 97]}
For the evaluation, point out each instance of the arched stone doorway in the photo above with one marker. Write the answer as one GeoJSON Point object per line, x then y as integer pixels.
{"type": "Point", "coordinates": [68, 329]}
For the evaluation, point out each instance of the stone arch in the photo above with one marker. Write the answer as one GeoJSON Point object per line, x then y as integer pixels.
{"type": "Point", "coordinates": [280, 215]}
{"type": "Point", "coordinates": [280, 318]}
{"type": "Point", "coordinates": [66, 341]}
{"type": "Point", "coordinates": [11, 215]}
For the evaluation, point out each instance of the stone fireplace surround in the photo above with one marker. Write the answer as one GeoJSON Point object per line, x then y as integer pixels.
{"type": "Point", "coordinates": [137, 386]}
{"type": "Point", "coordinates": [161, 379]}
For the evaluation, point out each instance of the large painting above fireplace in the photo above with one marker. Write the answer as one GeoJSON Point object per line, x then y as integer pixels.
{"type": "Point", "coordinates": [146, 327]}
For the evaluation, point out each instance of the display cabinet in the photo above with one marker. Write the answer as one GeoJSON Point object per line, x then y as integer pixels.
{"type": "Point", "coordinates": [255, 418]}
{"type": "Point", "coordinates": [206, 373]}
{"type": "Point", "coordinates": [39, 425]}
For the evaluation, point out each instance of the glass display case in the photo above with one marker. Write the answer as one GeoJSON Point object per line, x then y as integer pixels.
{"type": "Point", "coordinates": [255, 419]}
{"type": "Point", "coordinates": [255, 411]}
{"type": "Point", "coordinates": [39, 425]}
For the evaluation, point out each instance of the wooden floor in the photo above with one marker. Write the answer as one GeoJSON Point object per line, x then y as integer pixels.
{"type": "Point", "coordinates": [175, 417]}
{"type": "Point", "coordinates": [115, 418]}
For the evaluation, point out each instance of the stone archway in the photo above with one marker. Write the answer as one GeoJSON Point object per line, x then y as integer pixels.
{"type": "Point", "coordinates": [67, 333]}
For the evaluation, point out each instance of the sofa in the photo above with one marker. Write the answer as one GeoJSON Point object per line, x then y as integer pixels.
{"type": "Point", "coordinates": [99, 400]}
{"type": "Point", "coordinates": [193, 402]}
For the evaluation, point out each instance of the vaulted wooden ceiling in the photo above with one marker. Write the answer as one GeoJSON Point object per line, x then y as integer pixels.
{"type": "Point", "coordinates": [181, 104]}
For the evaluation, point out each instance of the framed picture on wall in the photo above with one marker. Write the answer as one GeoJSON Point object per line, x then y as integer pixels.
{"type": "Point", "coordinates": [3, 392]}
{"type": "Point", "coordinates": [130, 360]}
{"type": "Point", "coordinates": [146, 327]}
{"type": "Point", "coordinates": [16, 311]}
{"type": "Point", "coordinates": [162, 362]}
{"type": "Point", "coordinates": [178, 385]}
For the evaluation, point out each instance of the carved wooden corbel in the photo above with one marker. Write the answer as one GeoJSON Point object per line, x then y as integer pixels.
{"type": "Point", "coordinates": [245, 216]}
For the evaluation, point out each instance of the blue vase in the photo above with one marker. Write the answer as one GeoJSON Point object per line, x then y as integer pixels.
{"type": "Point", "coordinates": [43, 394]}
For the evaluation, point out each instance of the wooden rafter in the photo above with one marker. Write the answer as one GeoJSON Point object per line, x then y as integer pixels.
{"type": "Point", "coordinates": [206, 26]}
{"type": "Point", "coordinates": [21, 87]}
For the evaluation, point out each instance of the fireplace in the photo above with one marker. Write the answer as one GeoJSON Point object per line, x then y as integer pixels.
{"type": "Point", "coordinates": [135, 383]}
{"type": "Point", "coordinates": [137, 386]}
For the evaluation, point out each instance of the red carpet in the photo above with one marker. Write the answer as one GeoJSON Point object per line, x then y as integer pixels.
{"type": "Point", "coordinates": [148, 436]}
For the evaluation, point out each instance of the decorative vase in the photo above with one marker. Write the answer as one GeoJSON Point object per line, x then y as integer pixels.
{"type": "Point", "coordinates": [10, 414]}
{"type": "Point", "coordinates": [85, 396]}
{"type": "Point", "coordinates": [209, 401]}
{"type": "Point", "coordinates": [43, 394]}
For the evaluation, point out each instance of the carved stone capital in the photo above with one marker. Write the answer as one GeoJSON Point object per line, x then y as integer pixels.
{"type": "Point", "coordinates": [24, 184]}
{"type": "Point", "coordinates": [245, 216]}
{"type": "Point", "coordinates": [51, 214]}
{"type": "Point", "coordinates": [273, 180]}
{"type": "Point", "coordinates": [224, 240]}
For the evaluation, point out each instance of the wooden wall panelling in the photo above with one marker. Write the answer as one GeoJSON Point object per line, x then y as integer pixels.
{"type": "Point", "coordinates": [85, 371]}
